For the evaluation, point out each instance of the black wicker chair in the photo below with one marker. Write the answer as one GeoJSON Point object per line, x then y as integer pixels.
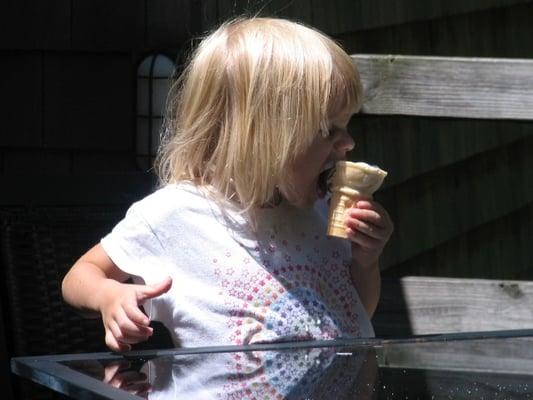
{"type": "Point", "coordinates": [37, 247]}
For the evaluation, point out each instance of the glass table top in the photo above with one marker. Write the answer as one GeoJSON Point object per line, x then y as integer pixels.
{"type": "Point", "coordinates": [479, 365]}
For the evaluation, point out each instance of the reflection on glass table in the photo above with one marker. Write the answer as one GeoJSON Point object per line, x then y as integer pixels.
{"type": "Point", "coordinates": [488, 365]}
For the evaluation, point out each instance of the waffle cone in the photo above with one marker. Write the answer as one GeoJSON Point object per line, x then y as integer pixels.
{"type": "Point", "coordinates": [350, 182]}
{"type": "Point", "coordinates": [338, 206]}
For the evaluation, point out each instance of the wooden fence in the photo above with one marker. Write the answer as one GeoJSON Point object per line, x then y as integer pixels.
{"type": "Point", "coordinates": [454, 199]}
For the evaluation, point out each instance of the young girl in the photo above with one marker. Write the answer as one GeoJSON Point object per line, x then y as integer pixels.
{"type": "Point", "coordinates": [232, 248]}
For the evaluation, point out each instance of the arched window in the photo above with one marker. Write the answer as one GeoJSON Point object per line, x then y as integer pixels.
{"type": "Point", "coordinates": [153, 84]}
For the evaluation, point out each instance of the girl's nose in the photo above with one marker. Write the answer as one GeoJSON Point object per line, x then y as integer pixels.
{"type": "Point", "coordinates": [345, 142]}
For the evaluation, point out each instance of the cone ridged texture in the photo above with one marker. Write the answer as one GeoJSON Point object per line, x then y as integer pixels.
{"type": "Point", "coordinates": [350, 183]}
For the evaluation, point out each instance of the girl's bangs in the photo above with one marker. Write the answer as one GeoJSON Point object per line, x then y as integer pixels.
{"type": "Point", "coordinates": [345, 91]}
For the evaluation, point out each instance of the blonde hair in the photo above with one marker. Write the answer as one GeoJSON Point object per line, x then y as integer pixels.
{"type": "Point", "coordinates": [254, 95]}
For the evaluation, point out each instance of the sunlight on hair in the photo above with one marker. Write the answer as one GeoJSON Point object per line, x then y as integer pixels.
{"type": "Point", "coordinates": [255, 94]}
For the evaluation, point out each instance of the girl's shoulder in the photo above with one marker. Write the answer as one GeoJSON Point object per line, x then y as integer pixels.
{"type": "Point", "coordinates": [184, 202]}
{"type": "Point", "coordinates": [171, 200]}
{"type": "Point", "coordinates": [174, 195]}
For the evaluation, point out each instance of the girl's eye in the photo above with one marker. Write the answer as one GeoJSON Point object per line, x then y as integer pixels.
{"type": "Point", "coordinates": [332, 132]}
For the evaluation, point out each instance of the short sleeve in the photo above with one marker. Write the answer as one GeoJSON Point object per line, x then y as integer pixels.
{"type": "Point", "coordinates": [135, 248]}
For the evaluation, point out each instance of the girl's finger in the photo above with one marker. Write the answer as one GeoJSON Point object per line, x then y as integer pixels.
{"type": "Point", "coordinates": [132, 337]}
{"type": "Point", "coordinates": [366, 204]}
{"type": "Point", "coordinates": [370, 216]}
{"type": "Point", "coordinates": [362, 239]}
{"type": "Point", "coordinates": [127, 325]}
{"type": "Point", "coordinates": [115, 332]}
{"type": "Point", "coordinates": [127, 332]}
{"type": "Point", "coordinates": [370, 230]}
{"type": "Point", "coordinates": [146, 292]}
{"type": "Point", "coordinates": [135, 314]}
{"type": "Point", "coordinates": [114, 344]}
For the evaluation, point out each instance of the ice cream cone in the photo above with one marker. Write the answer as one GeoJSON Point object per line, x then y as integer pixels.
{"type": "Point", "coordinates": [350, 182]}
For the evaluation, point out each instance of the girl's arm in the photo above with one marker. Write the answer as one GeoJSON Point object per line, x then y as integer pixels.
{"type": "Point", "coordinates": [367, 281]}
{"type": "Point", "coordinates": [87, 277]}
{"type": "Point", "coordinates": [94, 285]}
{"type": "Point", "coordinates": [369, 227]}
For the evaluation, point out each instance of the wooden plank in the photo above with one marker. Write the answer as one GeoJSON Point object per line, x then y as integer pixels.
{"type": "Point", "coordinates": [513, 357]}
{"type": "Point", "coordinates": [216, 11]}
{"type": "Point", "coordinates": [103, 163]}
{"type": "Point", "coordinates": [447, 86]}
{"type": "Point", "coordinates": [21, 161]}
{"type": "Point", "coordinates": [441, 205]}
{"type": "Point", "coordinates": [21, 100]}
{"type": "Point", "coordinates": [120, 24]}
{"type": "Point", "coordinates": [6, 382]}
{"type": "Point", "coordinates": [231, 8]}
{"type": "Point", "coordinates": [209, 15]}
{"type": "Point", "coordinates": [499, 32]}
{"type": "Point", "coordinates": [171, 22]}
{"type": "Point", "coordinates": [394, 142]}
{"type": "Point", "coordinates": [326, 15]}
{"type": "Point", "coordinates": [340, 16]}
{"type": "Point", "coordinates": [35, 25]}
{"type": "Point", "coordinates": [500, 249]}
{"type": "Point", "coordinates": [75, 189]}
{"type": "Point", "coordinates": [426, 305]}
{"type": "Point", "coordinates": [297, 10]}
{"type": "Point", "coordinates": [88, 101]}
{"type": "Point", "coordinates": [337, 17]}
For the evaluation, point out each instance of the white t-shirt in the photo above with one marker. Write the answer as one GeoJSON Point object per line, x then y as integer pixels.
{"type": "Point", "coordinates": [287, 281]}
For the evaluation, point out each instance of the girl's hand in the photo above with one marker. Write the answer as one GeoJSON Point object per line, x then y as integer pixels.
{"type": "Point", "coordinates": [123, 320]}
{"type": "Point", "coordinates": [369, 227]}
